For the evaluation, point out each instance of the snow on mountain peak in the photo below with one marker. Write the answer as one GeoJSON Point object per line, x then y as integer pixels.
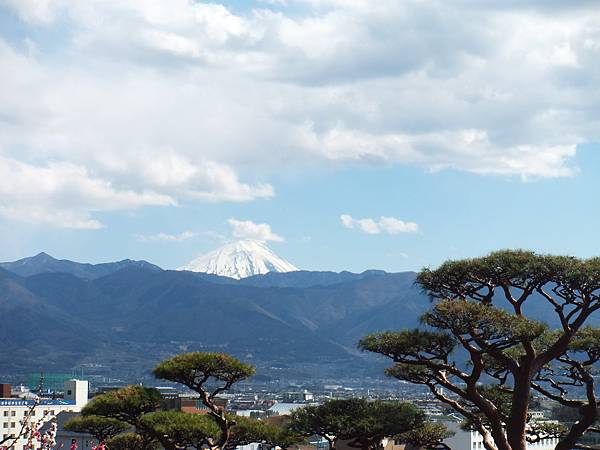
{"type": "Point", "coordinates": [240, 259]}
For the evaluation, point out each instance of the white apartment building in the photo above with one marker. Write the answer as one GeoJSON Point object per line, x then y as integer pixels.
{"type": "Point", "coordinates": [472, 440]}
{"type": "Point", "coordinates": [13, 410]}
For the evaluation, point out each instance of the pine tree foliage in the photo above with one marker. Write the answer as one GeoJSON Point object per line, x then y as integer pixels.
{"type": "Point", "coordinates": [486, 308]}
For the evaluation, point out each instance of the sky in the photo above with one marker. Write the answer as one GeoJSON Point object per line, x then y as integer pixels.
{"type": "Point", "coordinates": [346, 134]}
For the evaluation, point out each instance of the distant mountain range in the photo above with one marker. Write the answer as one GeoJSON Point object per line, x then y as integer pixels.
{"type": "Point", "coordinates": [43, 263]}
{"type": "Point", "coordinates": [121, 318]}
{"type": "Point", "coordinates": [126, 316]}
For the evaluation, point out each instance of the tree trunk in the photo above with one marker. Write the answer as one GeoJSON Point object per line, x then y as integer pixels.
{"type": "Point", "coordinates": [496, 428]}
{"type": "Point", "coordinates": [589, 415]}
{"type": "Point", "coordinates": [500, 440]}
{"type": "Point", "coordinates": [225, 432]}
{"type": "Point", "coordinates": [516, 427]}
{"type": "Point", "coordinates": [488, 439]}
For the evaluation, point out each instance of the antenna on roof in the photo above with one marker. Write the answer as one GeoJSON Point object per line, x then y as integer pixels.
{"type": "Point", "coordinates": [41, 383]}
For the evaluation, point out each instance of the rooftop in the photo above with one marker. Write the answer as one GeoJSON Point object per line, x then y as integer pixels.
{"type": "Point", "coordinates": [44, 402]}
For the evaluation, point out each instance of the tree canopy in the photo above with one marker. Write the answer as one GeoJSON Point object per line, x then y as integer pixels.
{"type": "Point", "coordinates": [362, 423]}
{"type": "Point", "coordinates": [247, 431]}
{"type": "Point", "coordinates": [178, 430]}
{"type": "Point", "coordinates": [429, 435]}
{"type": "Point", "coordinates": [486, 307]}
{"type": "Point", "coordinates": [102, 428]}
{"type": "Point", "coordinates": [108, 415]}
{"type": "Point", "coordinates": [130, 441]}
{"type": "Point", "coordinates": [197, 370]}
{"type": "Point", "coordinates": [127, 404]}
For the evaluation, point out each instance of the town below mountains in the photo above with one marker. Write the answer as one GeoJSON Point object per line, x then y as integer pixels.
{"type": "Point", "coordinates": [117, 320]}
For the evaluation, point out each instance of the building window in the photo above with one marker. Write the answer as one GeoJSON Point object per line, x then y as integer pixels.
{"type": "Point", "coordinates": [5, 424]}
{"type": "Point", "coordinates": [12, 424]}
{"type": "Point", "coordinates": [69, 392]}
{"type": "Point", "coordinates": [13, 413]}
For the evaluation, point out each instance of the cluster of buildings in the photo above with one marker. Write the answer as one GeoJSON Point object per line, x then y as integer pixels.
{"type": "Point", "coordinates": [19, 405]}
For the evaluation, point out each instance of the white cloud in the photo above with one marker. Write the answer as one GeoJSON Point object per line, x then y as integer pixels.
{"type": "Point", "coordinates": [191, 101]}
{"type": "Point", "coordinates": [166, 237]}
{"type": "Point", "coordinates": [369, 226]}
{"type": "Point", "coordinates": [467, 149]}
{"type": "Point", "coordinates": [246, 229]}
{"type": "Point", "coordinates": [204, 180]}
{"type": "Point", "coordinates": [389, 225]}
{"type": "Point", "coordinates": [92, 129]}
{"type": "Point", "coordinates": [64, 195]}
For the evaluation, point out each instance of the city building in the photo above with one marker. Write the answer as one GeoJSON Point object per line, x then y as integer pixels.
{"type": "Point", "coordinates": [191, 403]}
{"type": "Point", "coordinates": [298, 396]}
{"type": "Point", "coordinates": [13, 410]}
{"type": "Point", "coordinates": [472, 440]}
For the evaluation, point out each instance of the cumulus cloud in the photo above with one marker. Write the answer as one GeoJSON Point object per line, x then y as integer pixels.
{"type": "Point", "coordinates": [389, 225]}
{"type": "Point", "coordinates": [246, 229]}
{"type": "Point", "coordinates": [368, 225]}
{"type": "Point", "coordinates": [64, 195]}
{"type": "Point", "coordinates": [166, 237]}
{"type": "Point", "coordinates": [98, 142]}
{"type": "Point", "coordinates": [192, 101]}
{"type": "Point", "coordinates": [203, 180]}
{"type": "Point", "coordinates": [438, 151]}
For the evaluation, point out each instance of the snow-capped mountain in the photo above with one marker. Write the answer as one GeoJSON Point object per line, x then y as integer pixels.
{"type": "Point", "coordinates": [240, 259]}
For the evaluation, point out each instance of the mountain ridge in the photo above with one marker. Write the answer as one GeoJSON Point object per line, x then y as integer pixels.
{"type": "Point", "coordinates": [133, 317]}
{"type": "Point", "coordinates": [43, 263]}
{"type": "Point", "coordinates": [126, 321]}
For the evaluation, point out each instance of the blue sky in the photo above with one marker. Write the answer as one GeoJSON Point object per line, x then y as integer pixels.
{"type": "Point", "coordinates": [348, 135]}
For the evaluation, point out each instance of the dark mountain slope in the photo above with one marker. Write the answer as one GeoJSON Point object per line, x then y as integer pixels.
{"type": "Point", "coordinates": [34, 332]}
{"type": "Point", "coordinates": [133, 317]}
{"type": "Point", "coordinates": [137, 308]}
{"type": "Point", "coordinates": [179, 306]}
{"type": "Point", "coordinates": [305, 278]}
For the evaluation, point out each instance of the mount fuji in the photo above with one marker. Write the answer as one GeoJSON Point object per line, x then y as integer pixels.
{"type": "Point", "coordinates": [240, 259]}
